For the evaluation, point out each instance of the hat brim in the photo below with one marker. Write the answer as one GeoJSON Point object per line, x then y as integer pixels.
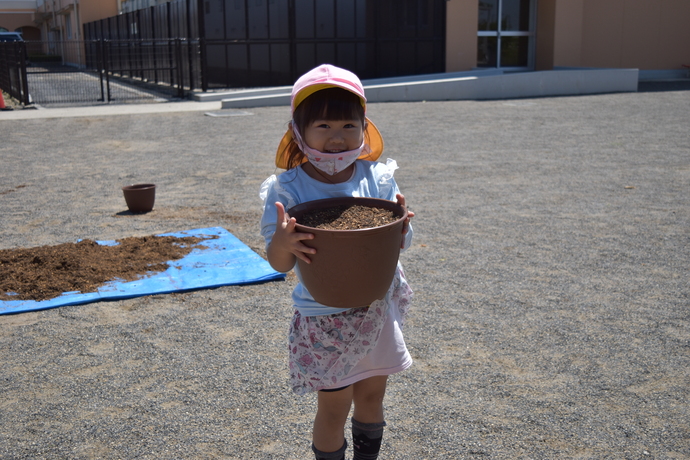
{"type": "Point", "coordinates": [288, 145]}
{"type": "Point", "coordinates": [307, 91]}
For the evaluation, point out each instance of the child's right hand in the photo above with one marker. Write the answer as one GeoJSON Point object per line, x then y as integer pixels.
{"type": "Point", "coordinates": [287, 243]}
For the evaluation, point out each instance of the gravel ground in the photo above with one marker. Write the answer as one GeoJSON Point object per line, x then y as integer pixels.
{"type": "Point", "coordinates": [550, 265]}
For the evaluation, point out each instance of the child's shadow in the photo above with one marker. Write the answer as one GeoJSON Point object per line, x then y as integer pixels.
{"type": "Point", "coordinates": [130, 213]}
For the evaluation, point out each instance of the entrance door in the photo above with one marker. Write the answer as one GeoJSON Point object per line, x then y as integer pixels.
{"type": "Point", "coordinates": [506, 34]}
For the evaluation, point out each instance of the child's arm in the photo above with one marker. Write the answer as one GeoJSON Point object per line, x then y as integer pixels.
{"type": "Point", "coordinates": [286, 245]}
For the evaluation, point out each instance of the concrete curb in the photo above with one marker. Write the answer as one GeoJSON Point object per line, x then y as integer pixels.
{"type": "Point", "coordinates": [466, 86]}
{"type": "Point", "coordinates": [105, 110]}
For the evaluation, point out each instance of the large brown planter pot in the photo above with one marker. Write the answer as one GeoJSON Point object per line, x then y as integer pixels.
{"type": "Point", "coordinates": [140, 197]}
{"type": "Point", "coordinates": [351, 268]}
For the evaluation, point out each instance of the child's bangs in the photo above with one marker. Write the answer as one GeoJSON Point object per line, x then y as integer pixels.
{"type": "Point", "coordinates": [332, 104]}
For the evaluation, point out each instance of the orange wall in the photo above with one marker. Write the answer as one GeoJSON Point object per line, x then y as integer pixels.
{"type": "Point", "coordinates": [642, 34]}
{"type": "Point", "coordinates": [567, 40]}
{"type": "Point", "coordinates": [622, 33]}
{"type": "Point", "coordinates": [88, 10]}
{"type": "Point", "coordinates": [545, 33]}
{"type": "Point", "coordinates": [461, 34]}
{"type": "Point", "coordinates": [93, 10]}
{"type": "Point", "coordinates": [13, 20]}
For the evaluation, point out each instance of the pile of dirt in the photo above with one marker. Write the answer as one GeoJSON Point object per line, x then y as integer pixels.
{"type": "Point", "coordinates": [45, 272]}
{"type": "Point", "coordinates": [348, 217]}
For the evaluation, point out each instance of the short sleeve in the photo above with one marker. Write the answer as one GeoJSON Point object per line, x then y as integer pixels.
{"type": "Point", "coordinates": [263, 190]}
{"type": "Point", "coordinates": [388, 189]}
{"type": "Point", "coordinates": [271, 192]}
{"type": "Point", "coordinates": [384, 178]}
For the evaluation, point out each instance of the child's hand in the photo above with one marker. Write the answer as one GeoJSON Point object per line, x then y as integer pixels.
{"type": "Point", "coordinates": [401, 201]}
{"type": "Point", "coordinates": [286, 244]}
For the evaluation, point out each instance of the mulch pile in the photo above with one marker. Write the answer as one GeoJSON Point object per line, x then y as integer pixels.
{"type": "Point", "coordinates": [46, 272]}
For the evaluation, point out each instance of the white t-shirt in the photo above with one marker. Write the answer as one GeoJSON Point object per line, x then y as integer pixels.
{"type": "Point", "coordinates": [369, 179]}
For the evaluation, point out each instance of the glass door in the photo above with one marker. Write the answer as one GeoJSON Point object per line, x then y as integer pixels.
{"type": "Point", "coordinates": [505, 36]}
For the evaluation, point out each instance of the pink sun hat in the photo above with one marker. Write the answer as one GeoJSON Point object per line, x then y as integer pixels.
{"type": "Point", "coordinates": [322, 77]}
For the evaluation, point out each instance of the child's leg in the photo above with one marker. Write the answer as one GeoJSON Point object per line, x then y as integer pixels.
{"type": "Point", "coordinates": [368, 397]}
{"type": "Point", "coordinates": [367, 420]}
{"type": "Point", "coordinates": [331, 415]}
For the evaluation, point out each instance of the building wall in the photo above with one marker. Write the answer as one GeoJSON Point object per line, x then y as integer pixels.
{"type": "Point", "coordinates": [568, 29]}
{"type": "Point", "coordinates": [17, 14]}
{"type": "Point", "coordinates": [642, 34]}
{"type": "Point", "coordinates": [461, 34]}
{"type": "Point", "coordinates": [13, 20]}
{"type": "Point", "coordinates": [625, 33]}
{"type": "Point", "coordinates": [639, 34]}
{"type": "Point", "coordinates": [80, 12]}
{"type": "Point", "coordinates": [622, 34]}
{"type": "Point", "coordinates": [545, 34]}
{"type": "Point", "coordinates": [93, 10]}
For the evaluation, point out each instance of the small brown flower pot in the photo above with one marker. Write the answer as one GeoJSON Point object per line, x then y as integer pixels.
{"type": "Point", "coordinates": [140, 197]}
{"type": "Point", "coordinates": [351, 268]}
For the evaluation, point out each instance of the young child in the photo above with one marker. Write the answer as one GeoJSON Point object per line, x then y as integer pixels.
{"type": "Point", "coordinates": [346, 355]}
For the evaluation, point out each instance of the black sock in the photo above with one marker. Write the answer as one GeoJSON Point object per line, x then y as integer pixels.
{"type": "Point", "coordinates": [366, 439]}
{"type": "Point", "coordinates": [337, 455]}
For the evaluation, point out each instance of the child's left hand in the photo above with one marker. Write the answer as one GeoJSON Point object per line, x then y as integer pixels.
{"type": "Point", "coordinates": [401, 201]}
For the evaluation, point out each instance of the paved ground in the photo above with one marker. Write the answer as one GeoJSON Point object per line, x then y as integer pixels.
{"type": "Point", "coordinates": [56, 89]}
{"type": "Point", "coordinates": [551, 266]}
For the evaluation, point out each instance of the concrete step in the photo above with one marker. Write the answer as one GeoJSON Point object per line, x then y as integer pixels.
{"type": "Point", "coordinates": [475, 85]}
{"type": "Point", "coordinates": [264, 93]}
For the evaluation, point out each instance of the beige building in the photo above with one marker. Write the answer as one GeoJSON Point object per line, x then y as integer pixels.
{"type": "Point", "coordinates": [547, 34]}
{"type": "Point", "coordinates": [19, 16]}
{"type": "Point", "coordinates": [53, 20]}
{"type": "Point", "coordinates": [506, 34]}
{"type": "Point", "coordinates": [57, 23]}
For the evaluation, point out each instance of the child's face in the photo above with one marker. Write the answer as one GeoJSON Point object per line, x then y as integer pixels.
{"type": "Point", "coordinates": [333, 136]}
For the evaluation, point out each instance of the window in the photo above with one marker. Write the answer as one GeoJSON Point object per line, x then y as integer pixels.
{"type": "Point", "coordinates": [506, 34]}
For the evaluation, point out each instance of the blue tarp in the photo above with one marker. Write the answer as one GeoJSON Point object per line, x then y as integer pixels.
{"type": "Point", "coordinates": [224, 260]}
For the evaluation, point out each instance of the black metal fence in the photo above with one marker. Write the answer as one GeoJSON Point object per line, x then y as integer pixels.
{"type": "Point", "coordinates": [230, 44]}
{"type": "Point", "coordinates": [272, 42]}
{"type": "Point", "coordinates": [97, 70]}
{"type": "Point", "coordinates": [13, 79]}
{"type": "Point", "coordinates": [249, 43]}
{"type": "Point", "coordinates": [144, 35]}
{"type": "Point", "coordinates": [162, 64]}
{"type": "Point", "coordinates": [177, 18]}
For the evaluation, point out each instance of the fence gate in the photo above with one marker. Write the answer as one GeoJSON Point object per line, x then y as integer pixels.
{"type": "Point", "coordinates": [13, 70]}
{"type": "Point", "coordinates": [94, 71]}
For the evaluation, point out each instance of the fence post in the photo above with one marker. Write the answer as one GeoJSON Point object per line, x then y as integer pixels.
{"type": "Point", "coordinates": [25, 99]}
{"type": "Point", "coordinates": [190, 55]}
{"type": "Point", "coordinates": [154, 53]}
{"type": "Point", "coordinates": [203, 66]}
{"type": "Point", "coordinates": [100, 65]}
{"type": "Point", "coordinates": [171, 61]}
{"type": "Point", "coordinates": [180, 70]}
{"type": "Point", "coordinates": [106, 67]}
{"type": "Point", "coordinates": [292, 34]}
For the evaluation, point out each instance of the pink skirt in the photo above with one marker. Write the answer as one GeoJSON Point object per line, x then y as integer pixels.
{"type": "Point", "coordinates": [331, 351]}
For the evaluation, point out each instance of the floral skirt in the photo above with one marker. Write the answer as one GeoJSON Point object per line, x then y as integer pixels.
{"type": "Point", "coordinates": [325, 349]}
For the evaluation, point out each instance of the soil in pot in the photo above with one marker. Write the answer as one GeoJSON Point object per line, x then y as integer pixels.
{"type": "Point", "coordinates": [348, 217]}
